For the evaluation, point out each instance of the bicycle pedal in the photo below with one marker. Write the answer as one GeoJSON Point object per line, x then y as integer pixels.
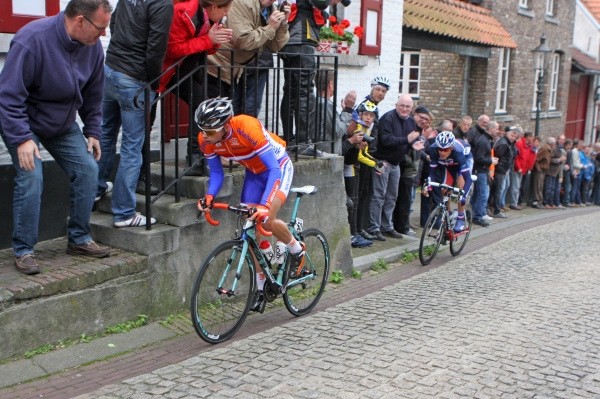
{"type": "Point", "coordinates": [262, 306]}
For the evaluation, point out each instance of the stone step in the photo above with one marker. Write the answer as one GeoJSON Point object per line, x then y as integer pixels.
{"type": "Point", "coordinates": [161, 239]}
{"type": "Point", "coordinates": [67, 298]}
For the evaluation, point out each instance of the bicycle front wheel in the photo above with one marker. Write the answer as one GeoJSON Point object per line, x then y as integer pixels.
{"type": "Point", "coordinates": [457, 245]}
{"type": "Point", "coordinates": [304, 291]}
{"type": "Point", "coordinates": [431, 236]}
{"type": "Point", "coordinates": [221, 298]}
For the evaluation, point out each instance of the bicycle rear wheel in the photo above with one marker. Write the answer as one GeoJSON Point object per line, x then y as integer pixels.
{"type": "Point", "coordinates": [431, 236]}
{"type": "Point", "coordinates": [304, 291]}
{"type": "Point", "coordinates": [218, 310]}
{"type": "Point", "coordinates": [456, 246]}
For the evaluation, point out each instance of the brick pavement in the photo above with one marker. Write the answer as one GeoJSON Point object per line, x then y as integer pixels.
{"type": "Point", "coordinates": [88, 378]}
{"type": "Point", "coordinates": [517, 319]}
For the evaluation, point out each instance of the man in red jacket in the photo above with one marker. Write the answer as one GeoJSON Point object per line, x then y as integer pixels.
{"type": "Point", "coordinates": [524, 161]}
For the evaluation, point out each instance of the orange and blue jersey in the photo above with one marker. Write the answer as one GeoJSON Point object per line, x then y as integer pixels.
{"type": "Point", "coordinates": [250, 144]}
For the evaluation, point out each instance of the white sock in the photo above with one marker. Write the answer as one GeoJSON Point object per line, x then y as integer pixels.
{"type": "Point", "coordinates": [260, 281]}
{"type": "Point", "coordinates": [294, 246]}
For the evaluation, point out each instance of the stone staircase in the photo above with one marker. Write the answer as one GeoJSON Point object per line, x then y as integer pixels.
{"type": "Point", "coordinates": [149, 272]}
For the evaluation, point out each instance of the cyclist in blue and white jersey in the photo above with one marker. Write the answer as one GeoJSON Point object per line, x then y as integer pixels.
{"type": "Point", "coordinates": [449, 165]}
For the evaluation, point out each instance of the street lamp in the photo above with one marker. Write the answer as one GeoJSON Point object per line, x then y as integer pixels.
{"type": "Point", "coordinates": [540, 52]}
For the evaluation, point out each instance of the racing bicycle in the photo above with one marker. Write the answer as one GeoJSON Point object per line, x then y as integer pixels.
{"type": "Point", "coordinates": [439, 226]}
{"type": "Point", "coordinates": [224, 289]}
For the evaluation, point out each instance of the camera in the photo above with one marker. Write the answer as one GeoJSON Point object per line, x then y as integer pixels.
{"type": "Point", "coordinates": [368, 139]}
{"type": "Point", "coordinates": [346, 3]}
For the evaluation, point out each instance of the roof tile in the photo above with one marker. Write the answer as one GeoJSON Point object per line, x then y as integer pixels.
{"type": "Point", "coordinates": [458, 20]}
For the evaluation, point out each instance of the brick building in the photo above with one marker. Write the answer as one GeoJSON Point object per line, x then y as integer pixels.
{"type": "Point", "coordinates": [477, 59]}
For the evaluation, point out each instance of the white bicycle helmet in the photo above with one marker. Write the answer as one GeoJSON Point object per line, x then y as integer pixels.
{"type": "Point", "coordinates": [444, 139]}
{"type": "Point", "coordinates": [213, 113]}
{"type": "Point", "coordinates": [381, 80]}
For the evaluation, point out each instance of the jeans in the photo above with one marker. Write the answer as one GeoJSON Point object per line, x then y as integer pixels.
{"type": "Point", "coordinates": [70, 152]}
{"type": "Point", "coordinates": [515, 186]}
{"type": "Point", "coordinates": [299, 72]}
{"type": "Point", "coordinates": [249, 93]}
{"type": "Point", "coordinates": [499, 191]}
{"type": "Point", "coordinates": [567, 185]}
{"type": "Point", "coordinates": [576, 189]}
{"type": "Point", "coordinates": [481, 193]}
{"type": "Point", "coordinates": [119, 110]}
{"type": "Point", "coordinates": [383, 201]}
{"type": "Point", "coordinates": [550, 183]}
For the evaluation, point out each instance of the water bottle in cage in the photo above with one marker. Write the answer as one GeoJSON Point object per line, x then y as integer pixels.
{"type": "Point", "coordinates": [267, 250]}
{"type": "Point", "coordinates": [280, 248]}
{"type": "Point", "coordinates": [298, 225]}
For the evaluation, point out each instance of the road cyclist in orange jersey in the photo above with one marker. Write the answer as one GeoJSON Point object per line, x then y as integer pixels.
{"type": "Point", "coordinates": [269, 169]}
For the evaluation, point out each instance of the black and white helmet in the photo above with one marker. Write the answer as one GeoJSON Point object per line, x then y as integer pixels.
{"type": "Point", "coordinates": [381, 80]}
{"type": "Point", "coordinates": [213, 113]}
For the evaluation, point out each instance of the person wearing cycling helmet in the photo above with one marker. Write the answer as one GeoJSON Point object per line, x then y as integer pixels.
{"type": "Point", "coordinates": [447, 162]}
{"type": "Point", "coordinates": [379, 88]}
{"type": "Point", "coordinates": [269, 170]}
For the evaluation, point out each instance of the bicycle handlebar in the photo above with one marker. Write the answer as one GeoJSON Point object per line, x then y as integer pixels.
{"type": "Point", "coordinates": [241, 209]}
{"type": "Point", "coordinates": [454, 190]}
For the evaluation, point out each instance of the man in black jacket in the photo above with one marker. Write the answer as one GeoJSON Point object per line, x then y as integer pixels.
{"type": "Point", "coordinates": [397, 132]}
{"type": "Point", "coordinates": [504, 150]}
{"type": "Point", "coordinates": [482, 156]}
{"type": "Point", "coordinates": [139, 35]}
{"type": "Point", "coordinates": [479, 128]}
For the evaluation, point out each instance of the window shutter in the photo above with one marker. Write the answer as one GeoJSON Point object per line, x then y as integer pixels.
{"type": "Point", "coordinates": [370, 20]}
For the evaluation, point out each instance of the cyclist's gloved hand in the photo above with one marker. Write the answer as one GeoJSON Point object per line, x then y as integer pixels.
{"type": "Point", "coordinates": [426, 189]}
{"type": "Point", "coordinates": [463, 198]}
{"type": "Point", "coordinates": [379, 167]}
{"type": "Point", "coordinates": [205, 204]}
{"type": "Point", "coordinates": [261, 215]}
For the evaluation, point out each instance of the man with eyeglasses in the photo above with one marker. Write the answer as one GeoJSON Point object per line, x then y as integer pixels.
{"type": "Point", "coordinates": [54, 70]}
{"type": "Point", "coordinates": [397, 132]}
{"type": "Point", "coordinates": [134, 59]}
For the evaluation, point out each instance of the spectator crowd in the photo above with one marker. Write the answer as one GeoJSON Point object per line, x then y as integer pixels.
{"type": "Point", "coordinates": [56, 68]}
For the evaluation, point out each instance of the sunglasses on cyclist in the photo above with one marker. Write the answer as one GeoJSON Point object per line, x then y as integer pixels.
{"type": "Point", "coordinates": [444, 149]}
{"type": "Point", "coordinates": [211, 132]}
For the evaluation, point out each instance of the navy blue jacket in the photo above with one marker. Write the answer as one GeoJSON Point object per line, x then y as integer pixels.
{"type": "Point", "coordinates": [47, 78]}
{"type": "Point", "coordinates": [392, 141]}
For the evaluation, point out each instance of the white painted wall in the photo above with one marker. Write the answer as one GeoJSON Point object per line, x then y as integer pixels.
{"type": "Point", "coordinates": [586, 35]}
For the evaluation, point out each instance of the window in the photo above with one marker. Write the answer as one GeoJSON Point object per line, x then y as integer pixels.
{"type": "Point", "coordinates": [16, 13]}
{"type": "Point", "coordinates": [502, 87]}
{"type": "Point", "coordinates": [554, 72]}
{"type": "Point", "coordinates": [410, 73]}
{"type": "Point", "coordinates": [550, 8]}
{"type": "Point", "coordinates": [370, 19]}
{"type": "Point", "coordinates": [539, 64]}
{"type": "Point", "coordinates": [523, 4]}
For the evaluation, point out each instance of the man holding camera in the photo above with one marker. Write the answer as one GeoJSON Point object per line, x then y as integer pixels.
{"type": "Point", "coordinates": [298, 56]}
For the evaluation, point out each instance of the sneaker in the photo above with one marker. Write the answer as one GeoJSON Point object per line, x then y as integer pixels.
{"type": "Point", "coordinates": [392, 233]}
{"type": "Point", "coordinates": [134, 221]}
{"type": "Point", "coordinates": [500, 215]}
{"type": "Point", "coordinates": [366, 235]}
{"type": "Point", "coordinates": [459, 226]}
{"type": "Point", "coordinates": [516, 207]}
{"type": "Point", "coordinates": [108, 189]}
{"type": "Point", "coordinates": [89, 248]}
{"type": "Point", "coordinates": [258, 302]}
{"type": "Point", "coordinates": [560, 207]}
{"type": "Point", "coordinates": [27, 264]}
{"type": "Point", "coordinates": [536, 205]}
{"type": "Point", "coordinates": [481, 222]}
{"type": "Point", "coordinates": [487, 218]}
{"type": "Point", "coordinates": [140, 188]}
{"type": "Point", "coordinates": [297, 263]}
{"type": "Point", "coordinates": [377, 236]}
{"type": "Point", "coordinates": [359, 241]}
{"type": "Point", "coordinates": [409, 232]}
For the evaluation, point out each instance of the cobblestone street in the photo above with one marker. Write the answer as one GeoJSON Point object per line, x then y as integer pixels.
{"type": "Point", "coordinates": [517, 319]}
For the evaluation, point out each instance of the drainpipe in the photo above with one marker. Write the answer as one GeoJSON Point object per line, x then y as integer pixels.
{"type": "Point", "coordinates": [465, 94]}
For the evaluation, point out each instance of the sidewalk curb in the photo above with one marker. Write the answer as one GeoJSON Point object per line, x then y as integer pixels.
{"type": "Point", "coordinates": [53, 362]}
